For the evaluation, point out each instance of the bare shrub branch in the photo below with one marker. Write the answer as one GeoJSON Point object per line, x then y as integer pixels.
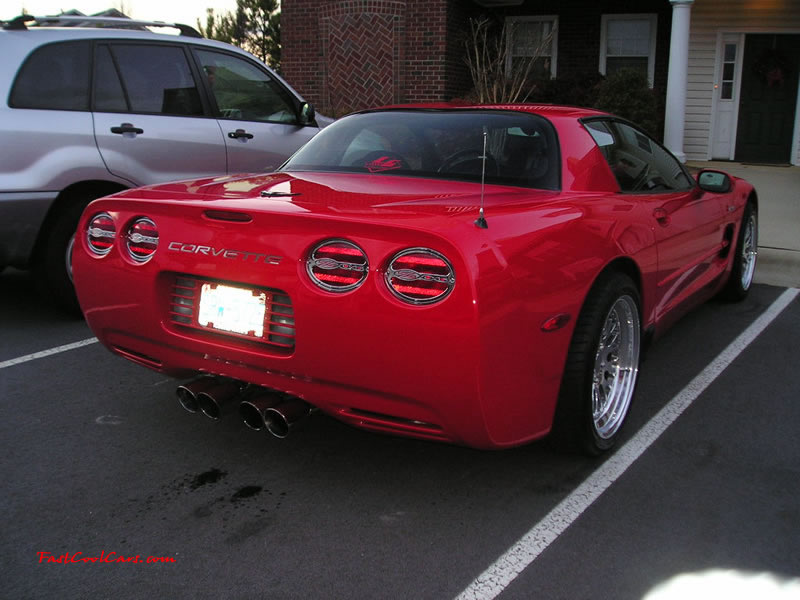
{"type": "Point", "coordinates": [496, 77]}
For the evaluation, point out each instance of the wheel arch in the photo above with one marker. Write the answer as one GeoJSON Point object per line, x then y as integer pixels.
{"type": "Point", "coordinates": [80, 192]}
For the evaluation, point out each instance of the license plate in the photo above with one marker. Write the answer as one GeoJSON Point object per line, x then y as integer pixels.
{"type": "Point", "coordinates": [232, 309]}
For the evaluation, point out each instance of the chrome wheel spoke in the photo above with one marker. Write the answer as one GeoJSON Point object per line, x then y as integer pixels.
{"type": "Point", "coordinates": [749, 251]}
{"type": "Point", "coordinates": [616, 367]}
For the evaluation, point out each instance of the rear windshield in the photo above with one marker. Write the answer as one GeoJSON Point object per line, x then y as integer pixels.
{"type": "Point", "coordinates": [521, 148]}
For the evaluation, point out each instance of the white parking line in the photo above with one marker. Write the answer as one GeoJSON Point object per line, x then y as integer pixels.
{"type": "Point", "coordinates": [43, 353]}
{"type": "Point", "coordinates": [516, 559]}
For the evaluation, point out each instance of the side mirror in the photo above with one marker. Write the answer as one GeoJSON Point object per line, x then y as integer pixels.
{"type": "Point", "coordinates": [714, 181]}
{"type": "Point", "coordinates": [307, 113]}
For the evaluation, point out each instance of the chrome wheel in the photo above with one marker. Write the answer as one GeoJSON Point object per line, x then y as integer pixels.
{"type": "Point", "coordinates": [749, 250]}
{"type": "Point", "coordinates": [616, 366]}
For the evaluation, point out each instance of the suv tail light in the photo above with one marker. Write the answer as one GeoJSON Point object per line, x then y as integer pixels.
{"type": "Point", "coordinates": [100, 234]}
{"type": "Point", "coordinates": [142, 239]}
{"type": "Point", "coordinates": [337, 265]}
{"type": "Point", "coordinates": [420, 276]}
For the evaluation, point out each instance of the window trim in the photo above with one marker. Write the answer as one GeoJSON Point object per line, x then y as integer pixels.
{"type": "Point", "coordinates": [652, 18]}
{"type": "Point", "coordinates": [511, 23]}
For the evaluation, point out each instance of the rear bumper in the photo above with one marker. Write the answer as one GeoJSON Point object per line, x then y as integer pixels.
{"type": "Point", "coordinates": [371, 363]}
{"type": "Point", "coordinates": [474, 369]}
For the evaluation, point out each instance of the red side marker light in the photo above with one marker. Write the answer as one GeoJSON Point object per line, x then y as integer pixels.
{"type": "Point", "coordinates": [556, 322]}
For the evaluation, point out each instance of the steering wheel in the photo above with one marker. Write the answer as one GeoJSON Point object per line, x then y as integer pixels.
{"type": "Point", "coordinates": [380, 161]}
{"type": "Point", "coordinates": [460, 163]}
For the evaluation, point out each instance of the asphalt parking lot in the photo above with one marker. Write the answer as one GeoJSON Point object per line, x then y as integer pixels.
{"type": "Point", "coordinates": [99, 459]}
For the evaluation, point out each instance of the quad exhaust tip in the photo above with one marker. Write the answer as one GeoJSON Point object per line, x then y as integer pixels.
{"type": "Point", "coordinates": [187, 393]}
{"type": "Point", "coordinates": [218, 400]}
{"type": "Point", "coordinates": [285, 417]}
{"type": "Point", "coordinates": [253, 410]}
{"type": "Point", "coordinates": [259, 408]}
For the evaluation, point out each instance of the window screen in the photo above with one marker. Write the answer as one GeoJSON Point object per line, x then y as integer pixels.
{"type": "Point", "coordinates": [628, 43]}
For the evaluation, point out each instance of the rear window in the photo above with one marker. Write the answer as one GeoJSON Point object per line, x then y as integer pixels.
{"type": "Point", "coordinates": [521, 148]}
{"type": "Point", "coordinates": [54, 77]}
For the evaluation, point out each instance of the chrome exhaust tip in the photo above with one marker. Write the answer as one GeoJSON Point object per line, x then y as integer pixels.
{"type": "Point", "coordinates": [187, 392]}
{"type": "Point", "coordinates": [216, 401]}
{"type": "Point", "coordinates": [280, 420]}
{"type": "Point", "coordinates": [253, 410]}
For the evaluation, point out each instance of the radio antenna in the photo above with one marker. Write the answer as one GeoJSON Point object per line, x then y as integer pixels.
{"type": "Point", "coordinates": [480, 222]}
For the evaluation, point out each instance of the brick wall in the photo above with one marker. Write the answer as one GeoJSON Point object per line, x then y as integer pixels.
{"type": "Point", "coordinates": [345, 55]}
{"type": "Point", "coordinates": [351, 54]}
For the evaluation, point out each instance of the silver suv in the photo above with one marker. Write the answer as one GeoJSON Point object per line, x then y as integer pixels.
{"type": "Point", "coordinates": [89, 111]}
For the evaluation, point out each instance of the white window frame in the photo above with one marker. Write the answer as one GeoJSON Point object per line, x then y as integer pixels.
{"type": "Point", "coordinates": [652, 18]}
{"type": "Point", "coordinates": [511, 23]}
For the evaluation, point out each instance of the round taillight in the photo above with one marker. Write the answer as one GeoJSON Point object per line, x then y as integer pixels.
{"type": "Point", "coordinates": [420, 276]}
{"type": "Point", "coordinates": [337, 265]}
{"type": "Point", "coordinates": [100, 234]}
{"type": "Point", "coordinates": [142, 239]}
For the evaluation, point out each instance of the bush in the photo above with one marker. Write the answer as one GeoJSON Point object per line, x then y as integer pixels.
{"type": "Point", "coordinates": [569, 90]}
{"type": "Point", "coordinates": [627, 94]}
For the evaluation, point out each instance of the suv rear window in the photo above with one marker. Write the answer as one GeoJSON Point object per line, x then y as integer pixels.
{"type": "Point", "coordinates": [54, 77]}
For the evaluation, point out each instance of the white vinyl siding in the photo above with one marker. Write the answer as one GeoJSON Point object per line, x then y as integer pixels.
{"type": "Point", "coordinates": [709, 19]}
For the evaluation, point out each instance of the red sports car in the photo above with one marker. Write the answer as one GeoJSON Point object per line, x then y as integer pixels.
{"type": "Point", "coordinates": [481, 275]}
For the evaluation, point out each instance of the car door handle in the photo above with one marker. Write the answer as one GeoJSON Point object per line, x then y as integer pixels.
{"type": "Point", "coordinates": [240, 133]}
{"type": "Point", "coordinates": [126, 128]}
{"type": "Point", "coordinates": [662, 216]}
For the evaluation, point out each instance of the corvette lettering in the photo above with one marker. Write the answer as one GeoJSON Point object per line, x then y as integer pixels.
{"type": "Point", "coordinates": [254, 257]}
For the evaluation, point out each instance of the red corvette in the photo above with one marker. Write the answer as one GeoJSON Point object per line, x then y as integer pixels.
{"type": "Point", "coordinates": [469, 274]}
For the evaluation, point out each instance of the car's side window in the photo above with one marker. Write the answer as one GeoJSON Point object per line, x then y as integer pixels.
{"type": "Point", "coordinates": [243, 91]}
{"type": "Point", "coordinates": [108, 93]}
{"type": "Point", "coordinates": [639, 163]}
{"type": "Point", "coordinates": [157, 79]}
{"type": "Point", "coordinates": [54, 77]}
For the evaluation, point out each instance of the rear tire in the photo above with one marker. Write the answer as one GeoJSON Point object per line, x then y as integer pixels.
{"type": "Point", "coordinates": [53, 266]}
{"type": "Point", "coordinates": [602, 367]}
{"type": "Point", "coordinates": [744, 258]}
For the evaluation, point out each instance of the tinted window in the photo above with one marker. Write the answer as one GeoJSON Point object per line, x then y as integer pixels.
{"type": "Point", "coordinates": [243, 91]}
{"type": "Point", "coordinates": [521, 148]}
{"type": "Point", "coordinates": [55, 77]}
{"type": "Point", "coordinates": [639, 163]}
{"type": "Point", "coordinates": [157, 79]}
{"type": "Point", "coordinates": [108, 93]}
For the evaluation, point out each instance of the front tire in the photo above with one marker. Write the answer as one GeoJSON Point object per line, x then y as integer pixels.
{"type": "Point", "coordinates": [602, 367]}
{"type": "Point", "coordinates": [744, 258]}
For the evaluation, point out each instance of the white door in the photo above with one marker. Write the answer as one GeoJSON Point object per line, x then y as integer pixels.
{"type": "Point", "coordinates": [726, 96]}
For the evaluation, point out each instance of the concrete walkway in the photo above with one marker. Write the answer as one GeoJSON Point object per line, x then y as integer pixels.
{"type": "Point", "coordinates": [778, 191]}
